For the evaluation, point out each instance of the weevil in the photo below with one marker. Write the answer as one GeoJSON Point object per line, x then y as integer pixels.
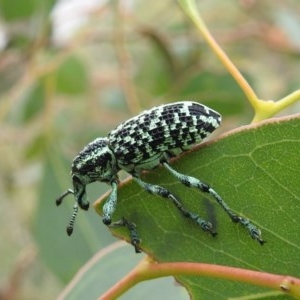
{"type": "Point", "coordinates": [142, 143]}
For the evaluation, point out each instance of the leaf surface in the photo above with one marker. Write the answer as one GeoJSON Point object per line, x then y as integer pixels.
{"type": "Point", "coordinates": [256, 170]}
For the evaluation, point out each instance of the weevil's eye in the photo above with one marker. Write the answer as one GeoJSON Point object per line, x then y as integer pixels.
{"type": "Point", "coordinates": [76, 179]}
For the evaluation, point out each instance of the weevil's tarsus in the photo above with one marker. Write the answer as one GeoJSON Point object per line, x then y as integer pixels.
{"type": "Point", "coordinates": [252, 229]}
{"type": "Point", "coordinates": [134, 236]}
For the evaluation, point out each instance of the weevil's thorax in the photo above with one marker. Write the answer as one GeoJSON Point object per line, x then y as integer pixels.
{"type": "Point", "coordinates": [96, 162]}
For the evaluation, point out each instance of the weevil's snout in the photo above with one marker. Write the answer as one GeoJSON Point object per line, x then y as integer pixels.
{"type": "Point", "coordinates": [80, 192]}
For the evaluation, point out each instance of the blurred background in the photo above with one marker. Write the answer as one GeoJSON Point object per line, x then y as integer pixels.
{"type": "Point", "coordinates": [72, 70]}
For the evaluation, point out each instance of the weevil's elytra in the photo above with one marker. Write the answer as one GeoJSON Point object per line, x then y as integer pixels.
{"type": "Point", "coordinates": [170, 128]}
{"type": "Point", "coordinates": [142, 143]}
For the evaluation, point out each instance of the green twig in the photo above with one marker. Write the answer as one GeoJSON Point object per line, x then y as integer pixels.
{"type": "Point", "coordinates": [262, 109]}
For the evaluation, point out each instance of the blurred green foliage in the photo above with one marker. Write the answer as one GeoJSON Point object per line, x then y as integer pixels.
{"type": "Point", "coordinates": [57, 96]}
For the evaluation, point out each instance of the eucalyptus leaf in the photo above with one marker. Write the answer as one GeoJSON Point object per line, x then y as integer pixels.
{"type": "Point", "coordinates": [256, 170]}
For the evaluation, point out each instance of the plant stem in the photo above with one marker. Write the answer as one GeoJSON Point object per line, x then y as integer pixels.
{"type": "Point", "coordinates": [148, 269]}
{"type": "Point", "coordinates": [263, 109]}
{"type": "Point", "coordinates": [190, 8]}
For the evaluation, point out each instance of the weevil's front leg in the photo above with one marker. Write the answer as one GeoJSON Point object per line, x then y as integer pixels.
{"type": "Point", "coordinates": [109, 208]}
{"type": "Point", "coordinates": [110, 204]}
{"type": "Point", "coordinates": [160, 191]}
{"type": "Point", "coordinates": [134, 236]}
{"type": "Point", "coordinates": [194, 182]}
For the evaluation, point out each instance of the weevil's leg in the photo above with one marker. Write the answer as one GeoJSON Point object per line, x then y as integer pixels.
{"type": "Point", "coordinates": [134, 236]}
{"type": "Point", "coordinates": [194, 182]}
{"type": "Point", "coordinates": [160, 191]}
{"type": "Point", "coordinates": [110, 204]}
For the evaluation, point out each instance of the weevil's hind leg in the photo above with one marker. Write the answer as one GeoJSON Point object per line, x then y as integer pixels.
{"type": "Point", "coordinates": [134, 236]}
{"type": "Point", "coordinates": [160, 191]}
{"type": "Point", "coordinates": [194, 182]}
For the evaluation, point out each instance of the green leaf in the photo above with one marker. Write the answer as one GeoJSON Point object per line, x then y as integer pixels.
{"type": "Point", "coordinates": [218, 88]}
{"type": "Point", "coordinates": [256, 170]}
{"type": "Point", "coordinates": [156, 63]}
{"type": "Point", "coordinates": [31, 104]}
{"type": "Point", "coordinates": [16, 9]}
{"type": "Point", "coordinates": [72, 78]}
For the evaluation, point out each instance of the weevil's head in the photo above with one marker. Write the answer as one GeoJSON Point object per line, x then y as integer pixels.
{"type": "Point", "coordinates": [96, 162]}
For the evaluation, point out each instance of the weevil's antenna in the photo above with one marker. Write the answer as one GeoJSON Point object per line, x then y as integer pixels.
{"type": "Point", "coordinates": [70, 226]}
{"type": "Point", "coordinates": [59, 200]}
